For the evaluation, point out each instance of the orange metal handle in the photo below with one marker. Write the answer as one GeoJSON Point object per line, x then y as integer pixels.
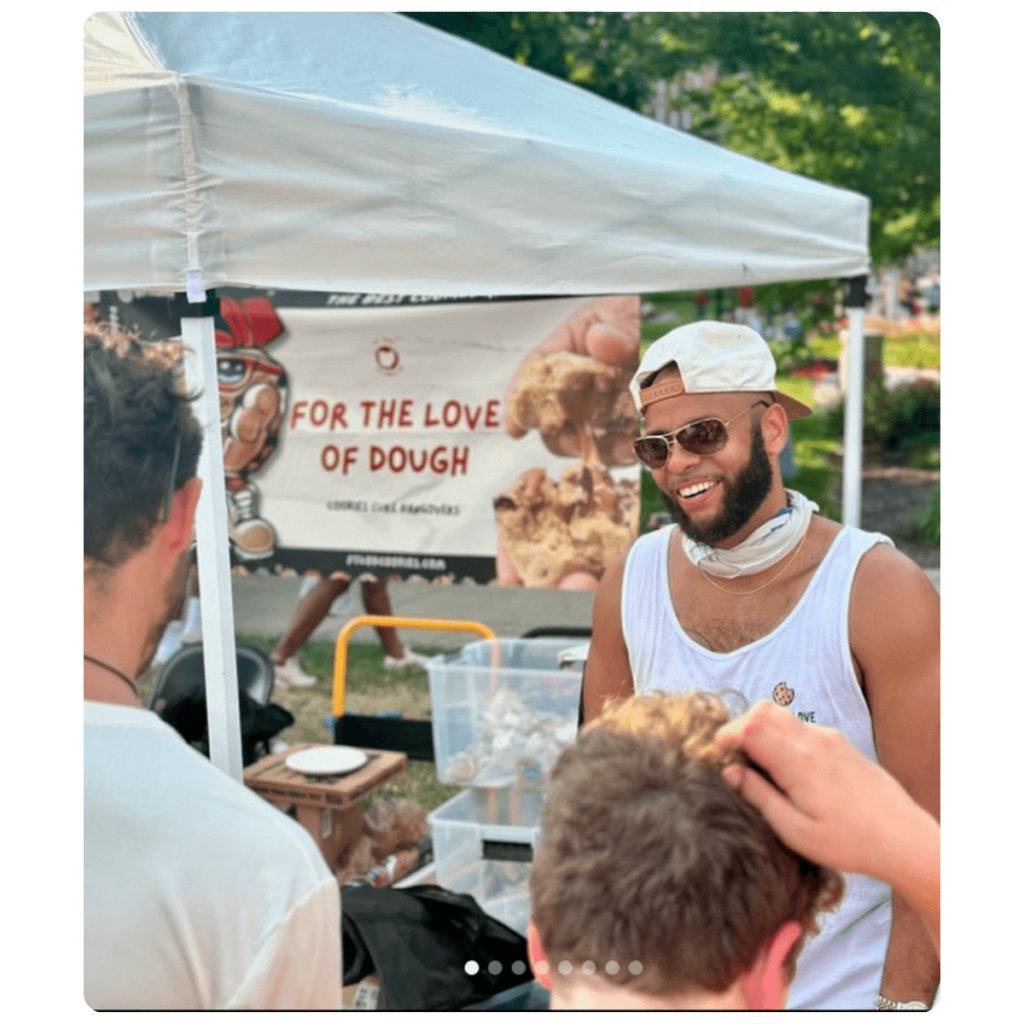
{"type": "Point", "coordinates": [396, 622]}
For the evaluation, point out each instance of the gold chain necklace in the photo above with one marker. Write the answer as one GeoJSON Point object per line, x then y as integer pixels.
{"type": "Point", "coordinates": [747, 593]}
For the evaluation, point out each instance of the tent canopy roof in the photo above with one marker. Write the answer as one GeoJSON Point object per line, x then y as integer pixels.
{"type": "Point", "coordinates": [367, 152]}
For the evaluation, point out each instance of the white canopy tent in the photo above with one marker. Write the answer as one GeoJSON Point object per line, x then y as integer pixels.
{"type": "Point", "coordinates": [366, 152]}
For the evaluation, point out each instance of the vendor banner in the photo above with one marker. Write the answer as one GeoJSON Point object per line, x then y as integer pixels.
{"type": "Point", "coordinates": [408, 437]}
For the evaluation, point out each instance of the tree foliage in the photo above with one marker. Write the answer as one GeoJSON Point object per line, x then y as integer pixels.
{"type": "Point", "coordinates": [850, 99]}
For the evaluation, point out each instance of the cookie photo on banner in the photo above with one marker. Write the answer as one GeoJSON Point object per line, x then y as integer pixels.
{"type": "Point", "coordinates": [564, 528]}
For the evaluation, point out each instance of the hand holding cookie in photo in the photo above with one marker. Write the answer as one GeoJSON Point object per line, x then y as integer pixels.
{"type": "Point", "coordinates": [573, 388]}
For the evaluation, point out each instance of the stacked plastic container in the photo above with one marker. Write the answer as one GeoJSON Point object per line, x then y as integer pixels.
{"type": "Point", "coordinates": [501, 712]}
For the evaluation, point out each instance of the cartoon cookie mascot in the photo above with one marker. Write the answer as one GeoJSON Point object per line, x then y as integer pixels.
{"type": "Point", "coordinates": [253, 396]}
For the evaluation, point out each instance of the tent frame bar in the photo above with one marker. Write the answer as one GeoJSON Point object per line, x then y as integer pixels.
{"type": "Point", "coordinates": [855, 300]}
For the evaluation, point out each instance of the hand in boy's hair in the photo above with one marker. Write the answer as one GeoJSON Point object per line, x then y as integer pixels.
{"type": "Point", "coordinates": [822, 796]}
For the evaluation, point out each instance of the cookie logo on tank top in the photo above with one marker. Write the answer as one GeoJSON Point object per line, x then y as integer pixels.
{"type": "Point", "coordinates": [783, 695]}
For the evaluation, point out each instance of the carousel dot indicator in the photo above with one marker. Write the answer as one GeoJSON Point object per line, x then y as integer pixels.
{"type": "Point", "coordinates": [518, 967]}
{"type": "Point", "coordinates": [472, 967]}
{"type": "Point", "coordinates": [565, 967]}
{"type": "Point", "coordinates": [494, 967]}
{"type": "Point", "coordinates": [635, 967]}
{"type": "Point", "coordinates": [611, 967]}
{"type": "Point", "coordinates": [589, 967]}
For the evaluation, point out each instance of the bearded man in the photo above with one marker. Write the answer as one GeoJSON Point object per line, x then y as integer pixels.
{"type": "Point", "coordinates": [756, 593]}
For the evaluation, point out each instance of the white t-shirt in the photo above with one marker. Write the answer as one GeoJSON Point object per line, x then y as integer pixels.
{"type": "Point", "coordinates": [198, 893]}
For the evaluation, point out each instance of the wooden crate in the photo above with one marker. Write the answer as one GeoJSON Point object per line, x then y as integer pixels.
{"type": "Point", "coordinates": [328, 807]}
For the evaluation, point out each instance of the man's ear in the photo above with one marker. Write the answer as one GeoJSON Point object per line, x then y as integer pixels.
{"type": "Point", "coordinates": [181, 518]}
{"type": "Point", "coordinates": [538, 961]}
{"type": "Point", "coordinates": [766, 985]}
{"type": "Point", "coordinates": [774, 429]}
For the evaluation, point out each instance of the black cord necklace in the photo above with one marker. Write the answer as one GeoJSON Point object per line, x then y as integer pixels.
{"type": "Point", "coordinates": [117, 672]}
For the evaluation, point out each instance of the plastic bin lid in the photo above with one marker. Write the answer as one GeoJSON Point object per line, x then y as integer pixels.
{"type": "Point", "coordinates": [575, 655]}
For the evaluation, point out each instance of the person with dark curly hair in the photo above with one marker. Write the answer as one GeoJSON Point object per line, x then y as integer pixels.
{"type": "Point", "coordinates": [198, 893]}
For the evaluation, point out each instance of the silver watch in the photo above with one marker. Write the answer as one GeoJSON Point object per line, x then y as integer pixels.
{"type": "Point", "coordinates": [881, 1003]}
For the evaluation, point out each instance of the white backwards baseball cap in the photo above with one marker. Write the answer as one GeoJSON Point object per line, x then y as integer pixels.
{"type": "Point", "coordinates": [711, 357]}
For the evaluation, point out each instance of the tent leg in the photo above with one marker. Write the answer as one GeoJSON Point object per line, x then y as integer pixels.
{"type": "Point", "coordinates": [853, 428]}
{"type": "Point", "coordinates": [219, 659]}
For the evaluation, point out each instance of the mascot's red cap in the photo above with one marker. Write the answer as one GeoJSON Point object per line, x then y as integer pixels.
{"type": "Point", "coordinates": [253, 323]}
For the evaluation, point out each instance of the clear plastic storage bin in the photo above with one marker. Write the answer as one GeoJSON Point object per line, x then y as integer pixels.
{"type": "Point", "coordinates": [460, 828]}
{"type": "Point", "coordinates": [502, 711]}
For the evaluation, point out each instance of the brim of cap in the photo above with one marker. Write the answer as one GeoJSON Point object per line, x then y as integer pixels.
{"type": "Point", "coordinates": [794, 410]}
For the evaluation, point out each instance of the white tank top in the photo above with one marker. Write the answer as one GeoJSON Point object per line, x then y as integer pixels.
{"type": "Point", "coordinates": [804, 664]}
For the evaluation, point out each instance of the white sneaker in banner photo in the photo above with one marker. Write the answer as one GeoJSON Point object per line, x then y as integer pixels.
{"type": "Point", "coordinates": [408, 659]}
{"type": "Point", "coordinates": [291, 674]}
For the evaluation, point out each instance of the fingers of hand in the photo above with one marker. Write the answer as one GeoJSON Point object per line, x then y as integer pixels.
{"type": "Point", "coordinates": [611, 344]}
{"type": "Point", "coordinates": [800, 758]}
{"type": "Point", "coordinates": [732, 735]}
{"type": "Point", "coordinates": [788, 821]}
{"type": "Point", "coordinates": [507, 573]}
{"type": "Point", "coordinates": [578, 581]}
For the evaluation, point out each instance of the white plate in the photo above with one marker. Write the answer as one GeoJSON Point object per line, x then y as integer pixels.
{"type": "Point", "coordinates": [326, 760]}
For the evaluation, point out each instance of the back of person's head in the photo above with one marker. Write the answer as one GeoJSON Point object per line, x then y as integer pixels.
{"type": "Point", "coordinates": [142, 441]}
{"type": "Point", "coordinates": [652, 873]}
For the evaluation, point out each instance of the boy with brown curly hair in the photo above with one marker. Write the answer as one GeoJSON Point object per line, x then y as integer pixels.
{"type": "Point", "coordinates": [655, 884]}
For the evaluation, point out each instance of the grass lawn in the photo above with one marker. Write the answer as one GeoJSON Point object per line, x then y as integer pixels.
{"type": "Point", "coordinates": [369, 690]}
{"type": "Point", "coordinates": [919, 350]}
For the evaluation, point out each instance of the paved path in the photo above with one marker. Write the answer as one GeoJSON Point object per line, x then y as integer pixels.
{"type": "Point", "coordinates": [264, 604]}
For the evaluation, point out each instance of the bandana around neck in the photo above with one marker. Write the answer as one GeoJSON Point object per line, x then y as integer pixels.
{"type": "Point", "coordinates": [768, 544]}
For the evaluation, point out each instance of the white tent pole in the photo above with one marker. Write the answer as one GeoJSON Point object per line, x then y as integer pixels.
{"type": "Point", "coordinates": [219, 659]}
{"type": "Point", "coordinates": [853, 427]}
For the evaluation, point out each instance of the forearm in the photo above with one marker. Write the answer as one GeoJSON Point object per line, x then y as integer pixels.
{"type": "Point", "coordinates": [912, 869]}
{"type": "Point", "coordinates": [912, 960]}
{"type": "Point", "coordinates": [911, 969]}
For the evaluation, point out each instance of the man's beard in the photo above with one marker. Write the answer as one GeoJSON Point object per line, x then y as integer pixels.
{"type": "Point", "coordinates": [174, 594]}
{"type": "Point", "coordinates": [741, 498]}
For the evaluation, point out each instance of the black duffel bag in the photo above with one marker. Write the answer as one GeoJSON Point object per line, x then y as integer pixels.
{"type": "Point", "coordinates": [418, 941]}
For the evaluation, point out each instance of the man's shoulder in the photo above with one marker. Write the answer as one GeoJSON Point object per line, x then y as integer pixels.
{"type": "Point", "coordinates": [612, 582]}
{"type": "Point", "coordinates": [186, 793]}
{"type": "Point", "coordinates": [829, 537]}
{"type": "Point", "coordinates": [892, 597]}
{"type": "Point", "coordinates": [879, 563]}
{"type": "Point", "coordinates": [647, 545]}
{"type": "Point", "coordinates": [883, 566]}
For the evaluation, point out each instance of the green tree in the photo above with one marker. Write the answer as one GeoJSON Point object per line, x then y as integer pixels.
{"type": "Point", "coordinates": [848, 99]}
